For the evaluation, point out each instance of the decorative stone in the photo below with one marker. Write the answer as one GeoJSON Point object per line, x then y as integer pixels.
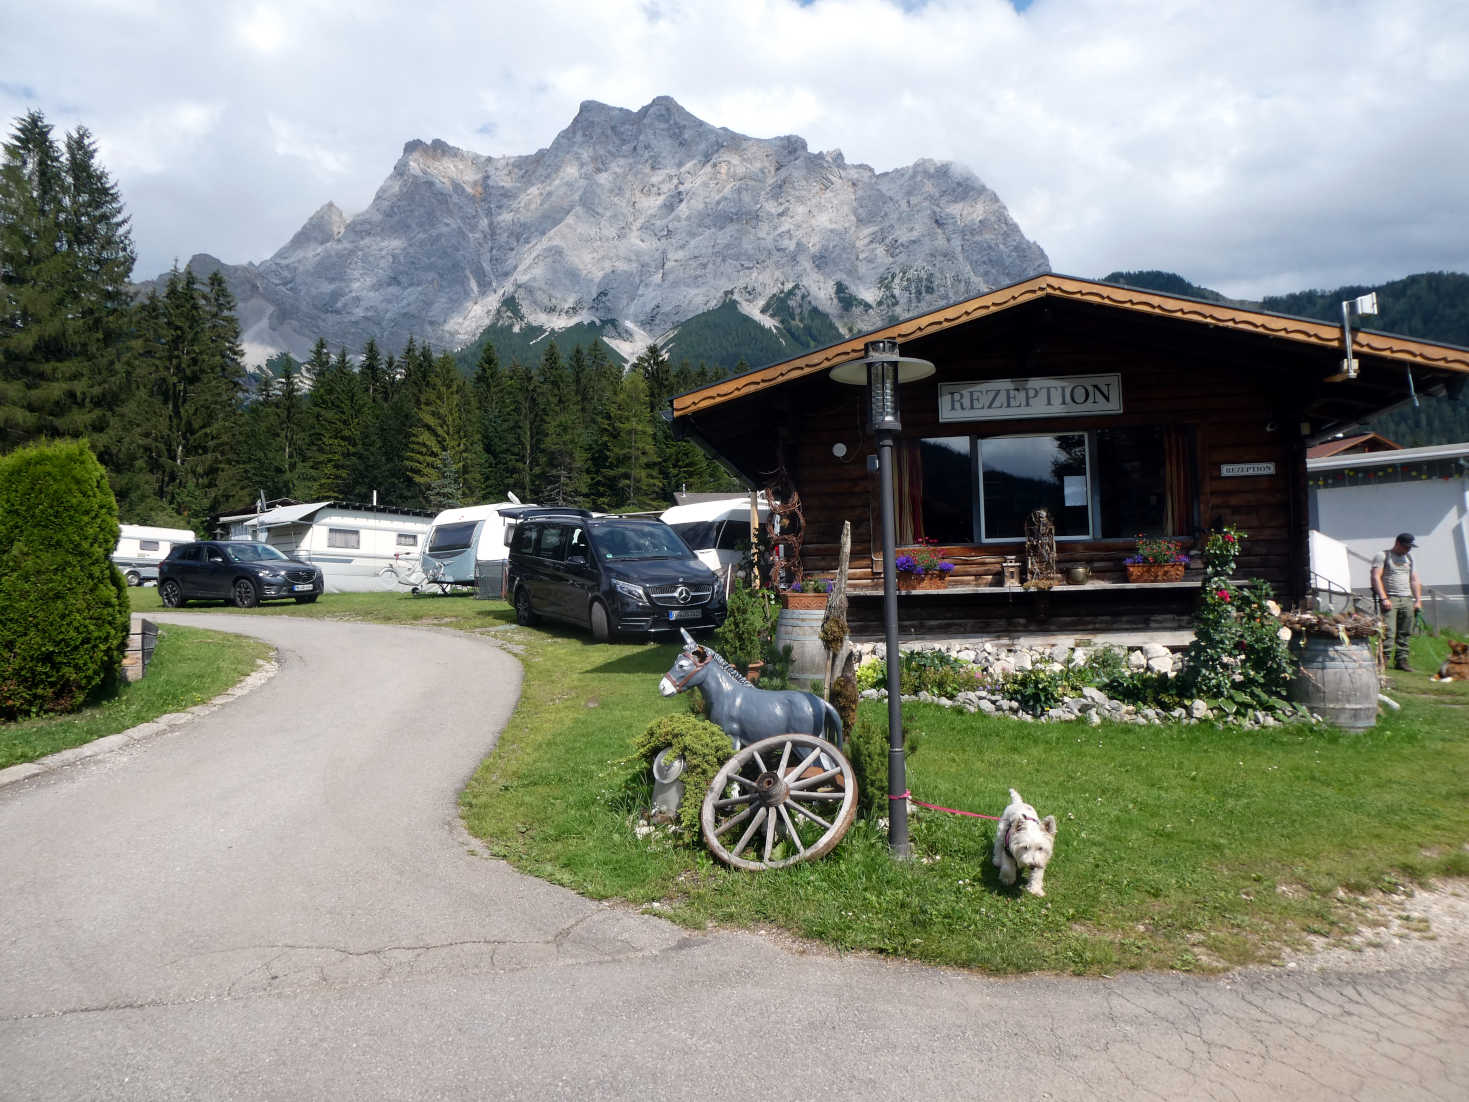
{"type": "Point", "coordinates": [1136, 660]}
{"type": "Point", "coordinates": [1154, 650]}
{"type": "Point", "coordinates": [1162, 664]}
{"type": "Point", "coordinates": [1198, 709]}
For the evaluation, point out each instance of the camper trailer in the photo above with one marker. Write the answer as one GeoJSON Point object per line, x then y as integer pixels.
{"type": "Point", "coordinates": [141, 548]}
{"type": "Point", "coordinates": [352, 543]}
{"type": "Point", "coordinates": [466, 546]}
{"type": "Point", "coordinates": [717, 530]}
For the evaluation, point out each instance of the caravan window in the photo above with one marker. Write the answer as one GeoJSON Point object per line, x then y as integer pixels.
{"type": "Point", "coordinates": [343, 537]}
{"type": "Point", "coordinates": [407, 539]}
{"type": "Point", "coordinates": [147, 545]}
{"type": "Point", "coordinates": [699, 534]}
{"type": "Point", "coordinates": [452, 537]}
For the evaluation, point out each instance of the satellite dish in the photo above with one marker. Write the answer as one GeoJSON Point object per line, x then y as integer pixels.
{"type": "Point", "coordinates": [511, 495]}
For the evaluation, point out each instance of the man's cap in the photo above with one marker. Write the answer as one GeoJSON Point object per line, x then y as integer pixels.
{"type": "Point", "coordinates": [1406, 538]}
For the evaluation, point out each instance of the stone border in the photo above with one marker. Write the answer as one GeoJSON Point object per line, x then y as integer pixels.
{"type": "Point", "coordinates": [264, 671]}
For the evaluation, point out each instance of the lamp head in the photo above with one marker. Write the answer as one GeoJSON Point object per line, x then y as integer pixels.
{"type": "Point", "coordinates": [882, 370]}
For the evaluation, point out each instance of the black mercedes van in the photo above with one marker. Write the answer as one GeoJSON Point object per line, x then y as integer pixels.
{"type": "Point", "coordinates": [612, 575]}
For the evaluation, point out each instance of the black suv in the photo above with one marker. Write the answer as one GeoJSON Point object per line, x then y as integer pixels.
{"type": "Point", "coordinates": [234, 570]}
{"type": "Point", "coordinates": [609, 574]}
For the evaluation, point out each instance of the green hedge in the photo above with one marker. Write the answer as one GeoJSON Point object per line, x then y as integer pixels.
{"type": "Point", "coordinates": [63, 605]}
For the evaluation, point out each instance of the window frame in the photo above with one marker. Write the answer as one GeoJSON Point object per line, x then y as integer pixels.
{"type": "Point", "coordinates": [976, 474]}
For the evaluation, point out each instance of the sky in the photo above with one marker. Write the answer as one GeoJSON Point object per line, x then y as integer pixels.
{"type": "Point", "coordinates": [1252, 146]}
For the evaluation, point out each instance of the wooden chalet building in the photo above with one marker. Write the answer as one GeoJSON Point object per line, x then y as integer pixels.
{"type": "Point", "coordinates": [1122, 411]}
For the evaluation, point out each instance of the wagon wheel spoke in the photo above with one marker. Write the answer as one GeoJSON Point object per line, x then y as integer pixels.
{"type": "Point", "coordinates": [806, 764]}
{"type": "Point", "coordinates": [750, 831]}
{"type": "Point", "coordinates": [815, 818]}
{"type": "Point", "coordinates": [757, 795]}
{"type": "Point", "coordinates": [808, 782]}
{"type": "Point", "coordinates": [791, 832]}
{"type": "Point", "coordinates": [734, 820]}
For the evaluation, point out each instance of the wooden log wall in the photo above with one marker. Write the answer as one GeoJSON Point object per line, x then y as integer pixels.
{"type": "Point", "coordinates": [1241, 402]}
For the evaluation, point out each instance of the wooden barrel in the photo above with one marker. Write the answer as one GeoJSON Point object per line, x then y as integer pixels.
{"type": "Point", "coordinates": [800, 629]}
{"type": "Point", "coordinates": [1338, 683]}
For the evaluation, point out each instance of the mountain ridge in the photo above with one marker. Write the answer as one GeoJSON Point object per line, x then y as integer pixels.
{"type": "Point", "coordinates": [635, 221]}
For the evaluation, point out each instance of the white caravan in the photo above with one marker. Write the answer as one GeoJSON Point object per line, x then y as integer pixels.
{"type": "Point", "coordinates": [717, 531]}
{"type": "Point", "coordinates": [353, 544]}
{"type": "Point", "coordinates": [141, 548]}
{"type": "Point", "coordinates": [468, 544]}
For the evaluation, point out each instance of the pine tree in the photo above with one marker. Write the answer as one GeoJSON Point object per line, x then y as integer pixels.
{"type": "Point", "coordinates": [560, 470]}
{"type": "Point", "coordinates": [490, 398]}
{"type": "Point", "coordinates": [43, 313]}
{"type": "Point", "coordinates": [443, 445]}
{"type": "Point", "coordinates": [520, 427]}
{"type": "Point", "coordinates": [337, 417]}
{"type": "Point", "coordinates": [630, 477]}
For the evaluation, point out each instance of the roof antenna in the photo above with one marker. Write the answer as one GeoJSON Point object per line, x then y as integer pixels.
{"type": "Point", "coordinates": [1366, 304]}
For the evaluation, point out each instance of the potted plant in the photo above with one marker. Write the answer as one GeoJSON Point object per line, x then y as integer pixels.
{"type": "Point", "coordinates": [1157, 559]}
{"type": "Point", "coordinates": [748, 628]}
{"type": "Point", "coordinates": [923, 567]}
{"type": "Point", "coordinates": [811, 594]}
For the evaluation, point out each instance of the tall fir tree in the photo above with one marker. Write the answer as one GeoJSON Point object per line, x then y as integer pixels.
{"type": "Point", "coordinates": [443, 447]}
{"type": "Point", "coordinates": [338, 420]}
{"type": "Point", "coordinates": [520, 425]}
{"type": "Point", "coordinates": [561, 464]}
{"type": "Point", "coordinates": [65, 258]}
{"type": "Point", "coordinates": [491, 404]}
{"type": "Point", "coordinates": [630, 478]}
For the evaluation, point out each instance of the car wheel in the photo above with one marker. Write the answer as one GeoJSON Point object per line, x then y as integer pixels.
{"type": "Point", "coordinates": [132, 577]}
{"type": "Point", "coordinates": [601, 625]}
{"type": "Point", "coordinates": [307, 598]}
{"type": "Point", "coordinates": [244, 593]}
{"type": "Point", "coordinates": [171, 594]}
{"type": "Point", "coordinates": [524, 615]}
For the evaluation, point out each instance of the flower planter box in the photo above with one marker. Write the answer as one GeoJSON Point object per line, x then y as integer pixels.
{"type": "Point", "coordinates": [1155, 571]}
{"type": "Point", "coordinates": [803, 601]}
{"type": "Point", "coordinates": [922, 581]}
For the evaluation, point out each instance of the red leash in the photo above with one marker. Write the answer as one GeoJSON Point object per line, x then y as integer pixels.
{"type": "Point", "coordinates": [950, 810]}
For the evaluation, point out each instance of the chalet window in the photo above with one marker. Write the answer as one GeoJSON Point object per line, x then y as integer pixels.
{"type": "Point", "coordinates": [147, 545]}
{"type": "Point", "coordinates": [407, 539]}
{"type": "Point", "coordinates": [1108, 483]}
{"type": "Point", "coordinates": [1019, 474]}
{"type": "Point", "coordinates": [343, 537]}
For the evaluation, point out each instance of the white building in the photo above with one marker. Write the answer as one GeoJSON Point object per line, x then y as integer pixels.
{"type": "Point", "coordinates": [353, 543]}
{"type": "Point", "coordinates": [1364, 500]}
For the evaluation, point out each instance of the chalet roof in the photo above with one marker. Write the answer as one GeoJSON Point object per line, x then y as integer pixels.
{"type": "Point", "coordinates": [1404, 351]}
{"type": "Point", "coordinates": [1361, 442]}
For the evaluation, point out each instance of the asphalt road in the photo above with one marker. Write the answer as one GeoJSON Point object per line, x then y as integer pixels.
{"type": "Point", "coordinates": [277, 901]}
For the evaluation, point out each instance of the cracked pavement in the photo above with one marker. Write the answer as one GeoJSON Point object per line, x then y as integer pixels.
{"type": "Point", "coordinates": [277, 900]}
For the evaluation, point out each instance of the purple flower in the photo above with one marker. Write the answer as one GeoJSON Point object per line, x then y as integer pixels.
{"type": "Point", "coordinates": [946, 567]}
{"type": "Point", "coordinates": [906, 564]}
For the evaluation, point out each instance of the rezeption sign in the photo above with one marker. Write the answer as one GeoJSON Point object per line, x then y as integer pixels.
{"type": "Point", "coordinates": [1001, 399]}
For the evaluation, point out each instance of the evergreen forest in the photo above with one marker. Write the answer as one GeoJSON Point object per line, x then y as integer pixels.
{"type": "Point", "coordinates": [186, 432]}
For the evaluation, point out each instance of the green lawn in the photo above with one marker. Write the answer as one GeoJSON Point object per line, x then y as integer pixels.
{"type": "Point", "coordinates": [189, 667]}
{"type": "Point", "coordinates": [1191, 847]}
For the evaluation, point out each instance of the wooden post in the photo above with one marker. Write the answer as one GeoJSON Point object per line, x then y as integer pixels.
{"type": "Point", "coordinates": [836, 606]}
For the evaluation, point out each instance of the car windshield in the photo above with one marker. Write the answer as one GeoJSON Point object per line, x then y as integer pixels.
{"type": "Point", "coordinates": [253, 552]}
{"type": "Point", "coordinates": [640, 540]}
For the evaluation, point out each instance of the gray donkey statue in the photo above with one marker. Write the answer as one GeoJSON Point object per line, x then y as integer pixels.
{"type": "Point", "coordinates": [744, 712]}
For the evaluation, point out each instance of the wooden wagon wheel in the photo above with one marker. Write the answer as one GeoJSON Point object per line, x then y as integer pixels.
{"type": "Point", "coordinates": [778, 801]}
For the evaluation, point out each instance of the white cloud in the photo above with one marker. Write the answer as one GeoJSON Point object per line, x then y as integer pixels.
{"type": "Point", "coordinates": [1251, 146]}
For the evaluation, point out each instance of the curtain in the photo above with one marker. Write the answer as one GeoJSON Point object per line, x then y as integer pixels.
{"type": "Point", "coordinates": [1178, 474]}
{"type": "Point", "coordinates": [908, 492]}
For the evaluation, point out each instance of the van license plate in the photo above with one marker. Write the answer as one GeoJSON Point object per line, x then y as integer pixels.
{"type": "Point", "coordinates": [300, 588]}
{"type": "Point", "coordinates": [683, 614]}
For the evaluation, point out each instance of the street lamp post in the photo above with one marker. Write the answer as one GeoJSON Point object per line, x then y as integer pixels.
{"type": "Point", "coordinates": [881, 369]}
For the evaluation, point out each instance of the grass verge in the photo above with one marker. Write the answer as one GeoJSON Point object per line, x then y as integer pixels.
{"type": "Point", "coordinates": [189, 667]}
{"type": "Point", "coordinates": [1193, 848]}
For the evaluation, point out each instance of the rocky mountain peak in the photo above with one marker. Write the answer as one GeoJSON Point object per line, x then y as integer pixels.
{"type": "Point", "coordinates": [636, 221]}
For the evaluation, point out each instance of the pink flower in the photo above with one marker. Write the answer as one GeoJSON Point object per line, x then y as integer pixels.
{"type": "Point", "coordinates": [1222, 594]}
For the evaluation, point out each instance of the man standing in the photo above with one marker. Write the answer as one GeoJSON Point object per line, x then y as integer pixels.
{"type": "Point", "coordinates": [1396, 584]}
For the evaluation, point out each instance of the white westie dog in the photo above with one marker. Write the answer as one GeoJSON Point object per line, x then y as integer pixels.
{"type": "Point", "coordinates": [1023, 840]}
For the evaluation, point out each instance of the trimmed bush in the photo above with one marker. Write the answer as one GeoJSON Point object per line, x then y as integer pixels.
{"type": "Point", "coordinates": [704, 748]}
{"type": "Point", "coordinates": [63, 605]}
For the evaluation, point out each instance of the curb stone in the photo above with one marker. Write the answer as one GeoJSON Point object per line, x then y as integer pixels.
{"type": "Point", "coordinates": [263, 672]}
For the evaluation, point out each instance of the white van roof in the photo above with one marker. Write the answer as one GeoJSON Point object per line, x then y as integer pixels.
{"type": "Point", "coordinates": [734, 506]}
{"type": "Point", "coordinates": [145, 532]}
{"type": "Point", "coordinates": [473, 512]}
